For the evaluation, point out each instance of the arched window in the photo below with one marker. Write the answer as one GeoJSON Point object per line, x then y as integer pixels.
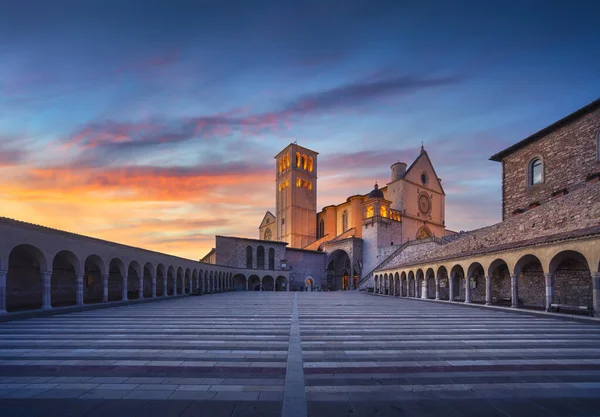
{"type": "Point", "coordinates": [298, 182]}
{"type": "Point", "coordinates": [260, 257]}
{"type": "Point", "coordinates": [423, 233]}
{"type": "Point", "coordinates": [310, 164]}
{"type": "Point", "coordinates": [344, 221]}
{"type": "Point", "coordinates": [268, 234]}
{"type": "Point", "coordinates": [248, 256]}
{"type": "Point", "coordinates": [271, 258]}
{"type": "Point", "coordinates": [383, 211]}
{"type": "Point", "coordinates": [369, 213]}
{"type": "Point", "coordinates": [287, 160]}
{"type": "Point", "coordinates": [322, 228]}
{"type": "Point", "coordinates": [304, 162]}
{"type": "Point", "coordinates": [536, 171]}
{"type": "Point", "coordinates": [298, 160]}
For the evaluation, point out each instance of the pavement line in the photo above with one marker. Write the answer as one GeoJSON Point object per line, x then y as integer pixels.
{"type": "Point", "coordinates": [294, 397]}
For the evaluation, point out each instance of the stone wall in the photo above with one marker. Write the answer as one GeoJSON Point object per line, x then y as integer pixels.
{"type": "Point", "coordinates": [532, 285]}
{"type": "Point", "coordinates": [478, 293]}
{"type": "Point", "coordinates": [563, 166]}
{"type": "Point", "coordinates": [573, 284]}
{"type": "Point", "coordinates": [501, 287]}
{"type": "Point", "coordinates": [231, 251]}
{"type": "Point", "coordinates": [304, 263]}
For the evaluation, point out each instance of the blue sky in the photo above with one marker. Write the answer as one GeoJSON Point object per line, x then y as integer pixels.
{"type": "Point", "coordinates": [155, 123]}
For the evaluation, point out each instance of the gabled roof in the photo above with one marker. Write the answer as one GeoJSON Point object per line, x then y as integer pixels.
{"type": "Point", "coordinates": [424, 154]}
{"type": "Point", "coordinates": [268, 214]}
{"type": "Point", "coordinates": [547, 130]}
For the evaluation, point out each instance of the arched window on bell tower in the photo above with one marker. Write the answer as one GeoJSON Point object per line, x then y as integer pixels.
{"type": "Point", "coordinates": [344, 221]}
{"type": "Point", "coordinates": [321, 228]}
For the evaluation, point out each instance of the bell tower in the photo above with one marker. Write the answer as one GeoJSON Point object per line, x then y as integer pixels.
{"type": "Point", "coordinates": [296, 196]}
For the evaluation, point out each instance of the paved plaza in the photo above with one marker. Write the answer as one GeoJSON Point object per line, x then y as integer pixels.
{"type": "Point", "coordinates": [297, 354]}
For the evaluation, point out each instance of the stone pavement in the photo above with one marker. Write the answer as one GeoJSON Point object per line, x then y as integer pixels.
{"type": "Point", "coordinates": [242, 354]}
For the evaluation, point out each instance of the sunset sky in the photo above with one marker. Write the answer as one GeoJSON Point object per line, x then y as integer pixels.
{"type": "Point", "coordinates": [155, 123]}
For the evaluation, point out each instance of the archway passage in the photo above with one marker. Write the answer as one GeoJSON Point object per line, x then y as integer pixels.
{"type": "Point", "coordinates": [309, 284]}
{"type": "Point", "coordinates": [187, 283]}
{"type": "Point", "coordinates": [411, 284]}
{"type": "Point", "coordinates": [268, 283]}
{"type": "Point", "coordinates": [24, 289]}
{"type": "Point", "coordinates": [338, 270]}
{"type": "Point", "coordinates": [458, 283]}
{"type": "Point", "coordinates": [147, 287]}
{"type": "Point", "coordinates": [93, 284]}
{"type": "Point", "coordinates": [239, 282]}
{"type": "Point", "coordinates": [63, 282]}
{"type": "Point", "coordinates": [430, 276]}
{"type": "Point", "coordinates": [281, 284]}
{"type": "Point", "coordinates": [160, 281]}
{"type": "Point", "coordinates": [171, 281]}
{"type": "Point", "coordinates": [501, 286]}
{"type": "Point", "coordinates": [572, 279]}
{"type": "Point", "coordinates": [476, 276]}
{"type": "Point", "coordinates": [115, 279]}
{"type": "Point", "coordinates": [442, 275]}
{"type": "Point", "coordinates": [133, 281]}
{"type": "Point", "coordinates": [403, 285]}
{"type": "Point", "coordinates": [179, 281]}
{"type": "Point", "coordinates": [531, 282]}
{"type": "Point", "coordinates": [253, 283]}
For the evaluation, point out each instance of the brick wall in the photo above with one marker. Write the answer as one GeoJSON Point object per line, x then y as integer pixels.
{"type": "Point", "coordinates": [569, 154]}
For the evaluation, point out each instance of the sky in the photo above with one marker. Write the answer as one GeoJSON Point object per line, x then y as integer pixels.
{"type": "Point", "coordinates": [155, 123]}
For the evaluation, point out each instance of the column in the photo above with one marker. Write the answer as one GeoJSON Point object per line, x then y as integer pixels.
{"type": "Point", "coordinates": [153, 285]}
{"type": "Point", "coordinates": [437, 287]}
{"type": "Point", "coordinates": [261, 284]}
{"type": "Point", "coordinates": [165, 285]}
{"type": "Point", "coordinates": [468, 290]}
{"type": "Point", "coordinates": [141, 286]}
{"type": "Point", "coordinates": [202, 283]}
{"type": "Point", "coordinates": [247, 284]}
{"type": "Point", "coordinates": [424, 289]}
{"type": "Point", "coordinates": [79, 296]}
{"type": "Point", "coordinates": [514, 290]}
{"type": "Point", "coordinates": [488, 290]}
{"type": "Point", "coordinates": [3, 292]}
{"type": "Point", "coordinates": [124, 290]}
{"type": "Point", "coordinates": [451, 287]}
{"type": "Point", "coordinates": [596, 293]}
{"type": "Point", "coordinates": [47, 288]}
{"type": "Point", "coordinates": [105, 288]}
{"type": "Point", "coordinates": [549, 278]}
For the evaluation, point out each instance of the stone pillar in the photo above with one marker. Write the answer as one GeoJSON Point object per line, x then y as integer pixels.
{"type": "Point", "coordinates": [488, 290]}
{"type": "Point", "coordinates": [141, 286]}
{"type": "Point", "coordinates": [154, 286]}
{"type": "Point", "coordinates": [124, 290]}
{"type": "Point", "coordinates": [3, 274]}
{"type": "Point", "coordinates": [424, 289]}
{"type": "Point", "coordinates": [261, 284]}
{"type": "Point", "coordinates": [514, 290]}
{"type": "Point", "coordinates": [437, 287]}
{"type": "Point", "coordinates": [202, 283]}
{"type": "Point", "coordinates": [105, 288]}
{"type": "Point", "coordinates": [451, 287]}
{"type": "Point", "coordinates": [47, 290]}
{"type": "Point", "coordinates": [468, 290]}
{"type": "Point", "coordinates": [165, 286]}
{"type": "Point", "coordinates": [596, 293]}
{"type": "Point", "coordinates": [247, 284]}
{"type": "Point", "coordinates": [79, 295]}
{"type": "Point", "coordinates": [549, 278]}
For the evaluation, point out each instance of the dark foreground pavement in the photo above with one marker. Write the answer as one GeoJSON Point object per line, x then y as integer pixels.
{"type": "Point", "coordinates": [242, 354]}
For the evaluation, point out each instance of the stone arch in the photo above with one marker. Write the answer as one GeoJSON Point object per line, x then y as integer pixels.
{"type": "Point", "coordinates": [443, 283]}
{"type": "Point", "coordinates": [94, 270]}
{"type": "Point", "coordinates": [281, 283]}
{"type": "Point", "coordinates": [423, 233]}
{"type": "Point", "coordinates": [179, 281]}
{"type": "Point", "coordinates": [187, 285]}
{"type": "Point", "coordinates": [338, 269]}
{"type": "Point", "coordinates": [309, 283]}
{"type": "Point", "coordinates": [24, 285]}
{"type": "Point", "coordinates": [260, 257]}
{"type": "Point", "coordinates": [195, 280]}
{"type": "Point", "coordinates": [430, 278]}
{"type": "Point", "coordinates": [419, 283]}
{"type": "Point", "coordinates": [206, 282]}
{"type": "Point", "coordinates": [134, 273]}
{"type": "Point", "coordinates": [253, 283]}
{"type": "Point", "coordinates": [375, 284]}
{"type": "Point", "coordinates": [171, 280]}
{"type": "Point", "coordinates": [147, 280]}
{"type": "Point", "coordinates": [63, 284]}
{"type": "Point", "coordinates": [116, 273]}
{"type": "Point", "coordinates": [572, 279]}
{"type": "Point", "coordinates": [396, 284]}
{"type": "Point", "coordinates": [386, 284]}
{"type": "Point", "coordinates": [531, 282]}
{"type": "Point", "coordinates": [476, 280]}
{"type": "Point", "coordinates": [411, 284]}
{"type": "Point", "coordinates": [268, 283]}
{"type": "Point", "coordinates": [457, 283]}
{"type": "Point", "coordinates": [403, 284]}
{"type": "Point", "coordinates": [161, 280]}
{"type": "Point", "coordinates": [499, 273]}
{"type": "Point", "coordinates": [239, 282]}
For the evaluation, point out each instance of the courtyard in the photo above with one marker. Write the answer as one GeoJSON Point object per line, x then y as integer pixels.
{"type": "Point", "coordinates": [296, 354]}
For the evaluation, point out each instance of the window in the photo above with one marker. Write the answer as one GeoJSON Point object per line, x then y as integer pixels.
{"type": "Point", "coordinates": [271, 258]}
{"type": "Point", "coordinates": [535, 171]}
{"type": "Point", "coordinates": [298, 182]}
{"type": "Point", "coordinates": [304, 162]}
{"type": "Point", "coordinates": [369, 213]}
{"type": "Point", "coordinates": [383, 211]}
{"type": "Point", "coordinates": [424, 178]}
{"type": "Point", "coordinates": [298, 161]}
{"type": "Point", "coordinates": [344, 221]}
{"type": "Point", "coordinates": [310, 164]}
{"type": "Point", "coordinates": [248, 256]}
{"type": "Point", "coordinates": [287, 161]}
{"type": "Point", "coordinates": [260, 257]}
{"type": "Point", "coordinates": [322, 228]}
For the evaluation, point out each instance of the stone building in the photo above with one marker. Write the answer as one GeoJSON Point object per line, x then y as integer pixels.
{"type": "Point", "coordinates": [545, 254]}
